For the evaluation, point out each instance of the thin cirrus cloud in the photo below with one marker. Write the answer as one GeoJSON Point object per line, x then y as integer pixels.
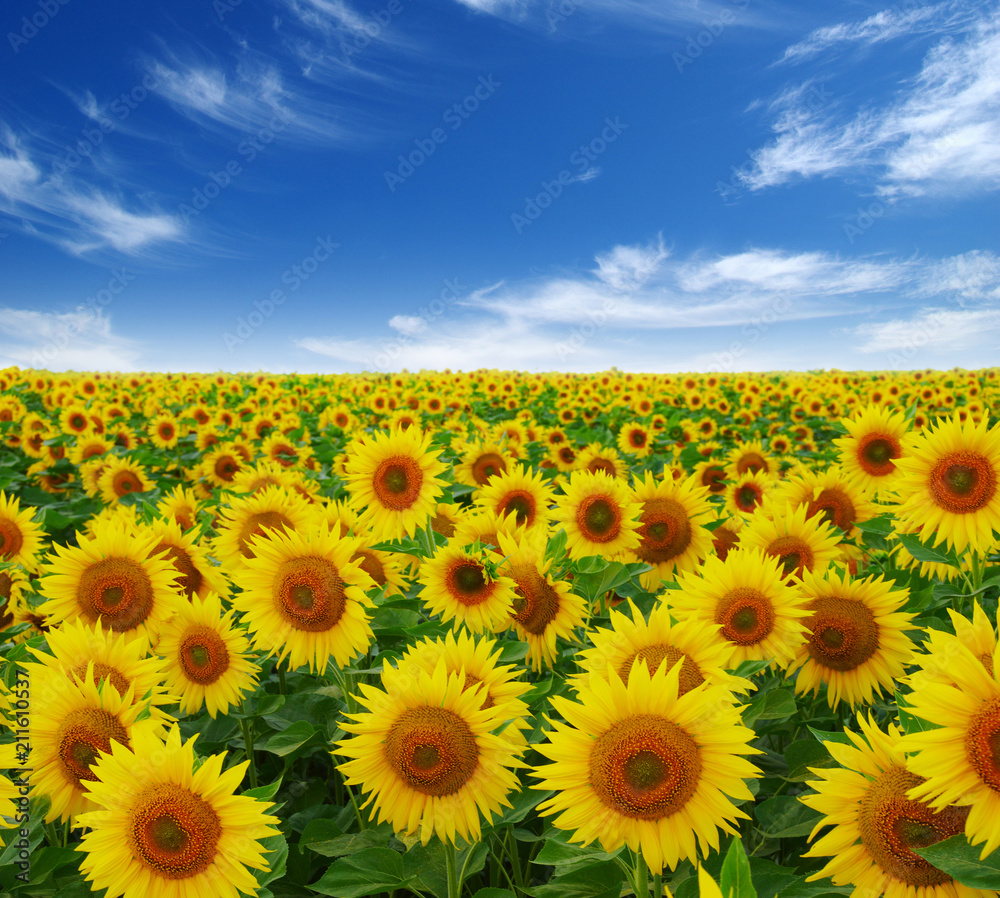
{"type": "Point", "coordinates": [78, 340]}
{"type": "Point", "coordinates": [637, 289]}
{"type": "Point", "coordinates": [41, 195]}
{"type": "Point", "coordinates": [940, 135]}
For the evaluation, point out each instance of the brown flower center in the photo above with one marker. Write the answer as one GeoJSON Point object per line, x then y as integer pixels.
{"type": "Point", "coordinates": [173, 832]}
{"type": "Point", "coordinates": [309, 593]}
{"type": "Point", "coordinates": [432, 750]}
{"type": "Point", "coordinates": [843, 632]}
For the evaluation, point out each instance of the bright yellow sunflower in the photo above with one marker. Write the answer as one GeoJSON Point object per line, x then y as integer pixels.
{"type": "Point", "coordinates": [162, 827]}
{"type": "Point", "coordinates": [304, 597]}
{"type": "Point", "coordinates": [934, 660]}
{"type": "Point", "coordinates": [458, 586]}
{"type": "Point", "coordinates": [162, 431]}
{"type": "Point", "coordinates": [221, 464]}
{"type": "Point", "coordinates": [831, 495]}
{"type": "Point", "coordinates": [635, 439]}
{"type": "Point", "coordinates": [875, 445]}
{"type": "Point", "coordinates": [758, 612]}
{"type": "Point", "coordinates": [600, 515]}
{"type": "Point", "coordinates": [672, 532]}
{"type": "Point", "coordinates": [272, 511]}
{"type": "Point", "coordinates": [426, 751]}
{"type": "Point", "coordinates": [798, 542]}
{"type": "Point", "coordinates": [642, 766]}
{"type": "Point", "coordinates": [205, 657]}
{"type": "Point", "coordinates": [544, 609]}
{"type": "Point", "coordinates": [69, 730]}
{"type": "Point", "coordinates": [857, 643]}
{"type": "Point", "coordinates": [949, 485]}
{"type": "Point", "coordinates": [20, 536]}
{"type": "Point", "coordinates": [749, 458]}
{"type": "Point", "coordinates": [180, 505]}
{"type": "Point", "coordinates": [659, 642]}
{"type": "Point", "coordinates": [748, 491]}
{"type": "Point", "coordinates": [521, 492]}
{"type": "Point", "coordinates": [876, 825]}
{"type": "Point", "coordinates": [958, 759]}
{"type": "Point", "coordinates": [112, 578]}
{"type": "Point", "coordinates": [120, 477]}
{"type": "Point", "coordinates": [394, 483]}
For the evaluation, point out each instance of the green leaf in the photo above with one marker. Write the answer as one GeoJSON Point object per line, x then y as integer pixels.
{"type": "Point", "coordinates": [596, 881]}
{"type": "Point", "coordinates": [736, 881]}
{"type": "Point", "coordinates": [802, 755]}
{"type": "Point", "coordinates": [556, 853]}
{"type": "Point", "coordinates": [365, 873]}
{"type": "Point", "coordinates": [778, 704]}
{"type": "Point", "coordinates": [324, 838]}
{"type": "Point", "coordinates": [957, 858]}
{"type": "Point", "coordinates": [294, 737]}
{"type": "Point", "coordinates": [277, 857]}
{"type": "Point", "coordinates": [922, 552]}
{"type": "Point", "coordinates": [785, 817]}
{"type": "Point", "coordinates": [494, 893]}
{"type": "Point", "coordinates": [748, 668]}
{"type": "Point", "coordinates": [264, 793]}
{"type": "Point", "coordinates": [429, 863]}
{"type": "Point", "coordinates": [824, 736]}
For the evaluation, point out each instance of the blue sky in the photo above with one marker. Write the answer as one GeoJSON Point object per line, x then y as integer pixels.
{"type": "Point", "coordinates": [337, 185]}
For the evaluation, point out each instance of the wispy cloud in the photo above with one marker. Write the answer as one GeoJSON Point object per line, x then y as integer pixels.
{"type": "Point", "coordinates": [64, 341]}
{"type": "Point", "coordinates": [885, 25]}
{"type": "Point", "coordinates": [60, 206]}
{"type": "Point", "coordinates": [940, 134]}
{"type": "Point", "coordinates": [932, 330]}
{"type": "Point", "coordinates": [639, 289]}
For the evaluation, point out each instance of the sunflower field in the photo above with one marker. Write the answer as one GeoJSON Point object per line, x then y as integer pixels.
{"type": "Point", "coordinates": [497, 635]}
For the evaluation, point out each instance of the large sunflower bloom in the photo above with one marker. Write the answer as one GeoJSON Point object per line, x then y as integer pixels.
{"type": "Point", "coordinates": [205, 657]}
{"type": "Point", "coordinates": [426, 751]}
{"type": "Point", "coordinates": [798, 542]}
{"type": "Point", "coordinates": [304, 597]}
{"type": "Point", "coordinates": [121, 477]}
{"type": "Point", "coordinates": [959, 759]}
{"type": "Point", "coordinates": [856, 644]}
{"type": "Point", "coordinates": [458, 587]}
{"type": "Point", "coordinates": [543, 609]}
{"type": "Point", "coordinates": [521, 492]}
{"type": "Point", "coordinates": [869, 455]}
{"type": "Point", "coordinates": [934, 661]}
{"type": "Point", "coordinates": [672, 532]}
{"type": "Point", "coordinates": [949, 484]}
{"type": "Point", "coordinates": [875, 825]}
{"type": "Point", "coordinates": [112, 578]}
{"type": "Point", "coordinates": [394, 483]}
{"type": "Point", "coordinates": [639, 765]}
{"type": "Point", "coordinates": [831, 495]}
{"type": "Point", "coordinates": [167, 829]}
{"type": "Point", "coordinates": [600, 515]}
{"type": "Point", "coordinates": [758, 612]}
{"type": "Point", "coordinates": [20, 536]}
{"type": "Point", "coordinates": [272, 510]}
{"type": "Point", "coordinates": [197, 575]}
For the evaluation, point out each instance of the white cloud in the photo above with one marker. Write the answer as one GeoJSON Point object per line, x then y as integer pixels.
{"type": "Point", "coordinates": [940, 135]}
{"type": "Point", "coordinates": [936, 330]}
{"type": "Point", "coordinates": [47, 199]}
{"type": "Point", "coordinates": [80, 340]}
{"type": "Point", "coordinates": [640, 300]}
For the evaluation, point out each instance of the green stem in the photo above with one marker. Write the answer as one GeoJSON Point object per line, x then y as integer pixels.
{"type": "Point", "coordinates": [658, 886]}
{"type": "Point", "coordinates": [498, 865]}
{"type": "Point", "coordinates": [247, 727]}
{"type": "Point", "coordinates": [641, 876]}
{"type": "Point", "coordinates": [282, 687]}
{"type": "Point", "coordinates": [454, 884]}
{"type": "Point", "coordinates": [977, 572]}
{"type": "Point", "coordinates": [50, 832]}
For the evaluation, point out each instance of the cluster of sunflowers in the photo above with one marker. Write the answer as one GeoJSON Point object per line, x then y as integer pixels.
{"type": "Point", "coordinates": [500, 635]}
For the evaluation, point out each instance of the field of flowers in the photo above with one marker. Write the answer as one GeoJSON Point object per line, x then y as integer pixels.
{"type": "Point", "coordinates": [500, 635]}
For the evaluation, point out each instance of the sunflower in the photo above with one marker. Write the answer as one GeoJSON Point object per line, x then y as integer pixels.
{"type": "Point", "coordinates": [69, 730]}
{"type": "Point", "coordinates": [672, 532]}
{"type": "Point", "coordinates": [484, 527]}
{"type": "Point", "coordinates": [798, 542]}
{"type": "Point", "coordinates": [426, 751]}
{"type": "Point", "coordinates": [206, 657]}
{"type": "Point", "coordinates": [949, 484]}
{"type": "Point", "coordinates": [875, 444]}
{"type": "Point", "coordinates": [121, 477]}
{"type": "Point", "coordinates": [712, 475]}
{"type": "Point", "coordinates": [90, 446]}
{"type": "Point", "coordinates": [831, 494]}
{"type": "Point", "coordinates": [393, 481]}
{"type": "Point", "coordinates": [446, 519]}
{"type": "Point", "coordinates": [934, 662]}
{"type": "Point", "coordinates": [20, 536]}
{"type": "Point", "coordinates": [876, 825]}
{"type": "Point", "coordinates": [856, 643]}
{"type": "Point", "coordinates": [458, 586]}
{"type": "Point", "coordinates": [746, 492]}
{"type": "Point", "coordinates": [958, 758]}
{"type": "Point", "coordinates": [271, 511]}
{"type": "Point", "coordinates": [163, 827]}
{"type": "Point", "coordinates": [750, 458]}
{"type": "Point", "coordinates": [758, 612]}
{"type": "Point", "coordinates": [544, 609]}
{"type": "Point", "coordinates": [81, 650]}
{"type": "Point", "coordinates": [659, 642]}
{"type": "Point", "coordinates": [221, 464]}
{"type": "Point", "coordinates": [180, 505]}
{"type": "Point", "coordinates": [521, 492]}
{"type": "Point", "coordinates": [162, 431]}
{"type": "Point", "coordinates": [304, 598]}
{"type": "Point", "coordinates": [600, 515]}
{"type": "Point", "coordinates": [641, 765]}
{"type": "Point", "coordinates": [598, 457]}
{"type": "Point", "coordinates": [111, 577]}
{"type": "Point", "coordinates": [197, 575]}
{"type": "Point", "coordinates": [477, 659]}
{"type": "Point", "coordinates": [481, 462]}
{"type": "Point", "coordinates": [385, 568]}
{"type": "Point", "coordinates": [635, 439]}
